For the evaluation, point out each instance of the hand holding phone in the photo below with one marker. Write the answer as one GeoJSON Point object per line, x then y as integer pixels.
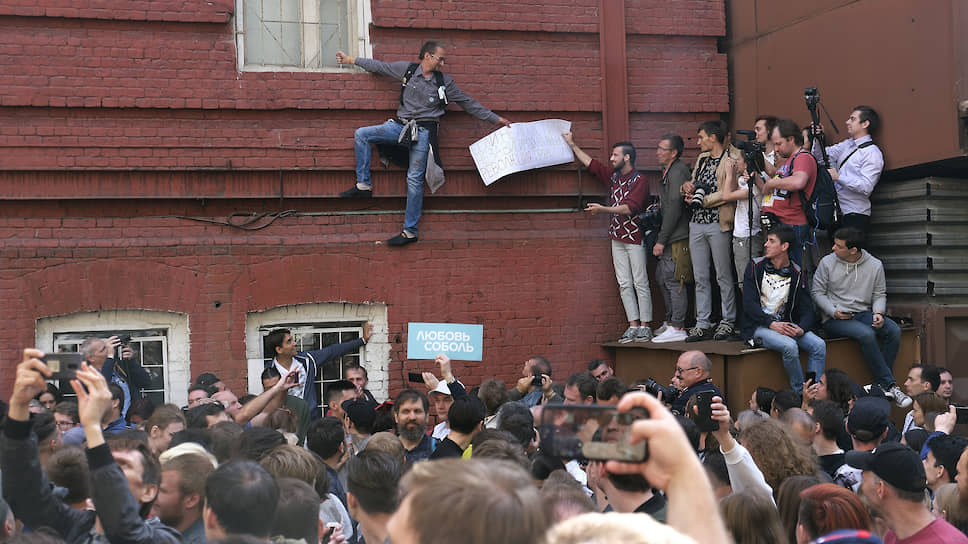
{"type": "Point", "coordinates": [63, 365]}
{"type": "Point", "coordinates": [582, 431]}
{"type": "Point", "coordinates": [961, 415]}
{"type": "Point", "coordinates": [704, 412]}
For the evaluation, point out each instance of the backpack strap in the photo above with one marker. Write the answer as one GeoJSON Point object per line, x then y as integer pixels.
{"type": "Point", "coordinates": [438, 79]}
{"type": "Point", "coordinates": [407, 77]}
{"type": "Point", "coordinates": [868, 143]}
{"type": "Point", "coordinates": [441, 88]}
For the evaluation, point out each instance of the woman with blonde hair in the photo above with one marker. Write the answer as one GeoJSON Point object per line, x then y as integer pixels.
{"type": "Point", "coordinates": [776, 452]}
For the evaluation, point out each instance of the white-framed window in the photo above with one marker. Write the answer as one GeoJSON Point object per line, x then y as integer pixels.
{"type": "Point", "coordinates": [150, 348]}
{"type": "Point", "coordinates": [300, 35]}
{"type": "Point", "coordinates": [312, 336]}
{"type": "Point", "coordinates": [315, 326]}
{"type": "Point", "coordinates": [159, 341]}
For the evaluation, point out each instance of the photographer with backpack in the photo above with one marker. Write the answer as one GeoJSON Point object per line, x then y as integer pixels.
{"type": "Point", "coordinates": [856, 166]}
{"type": "Point", "coordinates": [793, 185]}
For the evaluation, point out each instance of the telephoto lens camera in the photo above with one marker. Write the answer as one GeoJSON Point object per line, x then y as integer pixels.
{"type": "Point", "coordinates": [697, 197]}
{"type": "Point", "coordinates": [751, 149]}
{"type": "Point", "coordinates": [669, 394]}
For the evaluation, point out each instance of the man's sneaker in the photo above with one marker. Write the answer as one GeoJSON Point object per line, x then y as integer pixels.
{"type": "Point", "coordinates": [356, 192]}
{"type": "Point", "coordinates": [724, 331]}
{"type": "Point", "coordinates": [899, 397]}
{"type": "Point", "coordinates": [629, 335]}
{"type": "Point", "coordinates": [671, 334]}
{"type": "Point", "coordinates": [661, 330]}
{"type": "Point", "coordinates": [643, 334]}
{"type": "Point", "coordinates": [698, 334]}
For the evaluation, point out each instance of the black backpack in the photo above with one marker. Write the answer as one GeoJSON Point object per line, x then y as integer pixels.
{"type": "Point", "coordinates": [438, 79]}
{"type": "Point", "coordinates": [822, 207]}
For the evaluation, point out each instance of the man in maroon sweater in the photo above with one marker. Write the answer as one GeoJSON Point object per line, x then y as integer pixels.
{"type": "Point", "coordinates": [628, 192]}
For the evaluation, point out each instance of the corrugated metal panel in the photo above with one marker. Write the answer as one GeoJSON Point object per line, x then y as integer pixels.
{"type": "Point", "coordinates": [920, 232]}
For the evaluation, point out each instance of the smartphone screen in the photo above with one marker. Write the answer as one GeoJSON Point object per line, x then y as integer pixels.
{"type": "Point", "coordinates": [961, 415]}
{"type": "Point", "coordinates": [581, 431]}
{"type": "Point", "coordinates": [415, 377]}
{"type": "Point", "coordinates": [704, 418]}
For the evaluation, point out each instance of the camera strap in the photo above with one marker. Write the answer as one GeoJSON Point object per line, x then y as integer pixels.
{"type": "Point", "coordinates": [868, 143]}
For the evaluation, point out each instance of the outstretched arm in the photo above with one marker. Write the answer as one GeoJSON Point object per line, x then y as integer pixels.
{"type": "Point", "coordinates": [582, 157]}
{"type": "Point", "coordinates": [255, 406]}
{"type": "Point", "coordinates": [25, 487]}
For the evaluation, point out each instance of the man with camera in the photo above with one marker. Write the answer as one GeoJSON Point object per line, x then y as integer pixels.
{"type": "Point", "coordinates": [785, 193]}
{"type": "Point", "coordinates": [126, 372]}
{"type": "Point", "coordinates": [673, 240]}
{"type": "Point", "coordinates": [709, 232]}
{"type": "Point", "coordinates": [778, 310]}
{"type": "Point", "coordinates": [859, 163]}
{"type": "Point", "coordinates": [693, 375]}
{"type": "Point", "coordinates": [534, 387]}
{"type": "Point", "coordinates": [628, 192]}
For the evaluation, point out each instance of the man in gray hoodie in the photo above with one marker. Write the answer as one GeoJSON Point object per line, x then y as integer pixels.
{"type": "Point", "coordinates": [850, 290]}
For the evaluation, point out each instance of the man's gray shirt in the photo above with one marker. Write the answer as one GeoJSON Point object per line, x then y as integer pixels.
{"type": "Point", "coordinates": [420, 99]}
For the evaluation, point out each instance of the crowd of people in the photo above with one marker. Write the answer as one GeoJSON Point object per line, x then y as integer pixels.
{"type": "Point", "coordinates": [708, 225]}
{"type": "Point", "coordinates": [95, 461]}
{"type": "Point", "coordinates": [797, 466]}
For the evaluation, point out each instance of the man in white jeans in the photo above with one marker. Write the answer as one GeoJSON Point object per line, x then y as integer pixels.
{"type": "Point", "coordinates": [628, 193]}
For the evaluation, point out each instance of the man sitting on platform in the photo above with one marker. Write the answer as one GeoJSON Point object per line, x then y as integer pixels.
{"type": "Point", "coordinates": [850, 291]}
{"type": "Point", "coordinates": [693, 375]}
{"type": "Point", "coordinates": [777, 308]}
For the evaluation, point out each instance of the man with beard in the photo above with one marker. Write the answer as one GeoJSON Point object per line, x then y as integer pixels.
{"type": "Point", "coordinates": [181, 496]}
{"type": "Point", "coordinates": [628, 195]}
{"type": "Point", "coordinates": [410, 414]}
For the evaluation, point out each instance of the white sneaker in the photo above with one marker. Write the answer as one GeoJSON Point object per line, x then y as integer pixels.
{"type": "Point", "coordinates": [671, 334]}
{"type": "Point", "coordinates": [628, 336]}
{"type": "Point", "coordinates": [662, 329]}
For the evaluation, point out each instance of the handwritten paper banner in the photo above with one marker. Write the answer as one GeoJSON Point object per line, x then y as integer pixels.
{"type": "Point", "coordinates": [521, 146]}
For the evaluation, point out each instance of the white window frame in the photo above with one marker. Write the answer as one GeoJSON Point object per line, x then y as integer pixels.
{"type": "Point", "coordinates": [177, 368]}
{"type": "Point", "coordinates": [358, 12]}
{"type": "Point", "coordinates": [375, 357]}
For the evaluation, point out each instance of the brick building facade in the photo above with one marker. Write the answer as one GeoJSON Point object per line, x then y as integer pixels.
{"type": "Point", "coordinates": [127, 133]}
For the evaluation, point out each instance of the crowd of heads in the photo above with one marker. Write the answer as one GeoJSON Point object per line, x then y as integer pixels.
{"type": "Point", "coordinates": [817, 463]}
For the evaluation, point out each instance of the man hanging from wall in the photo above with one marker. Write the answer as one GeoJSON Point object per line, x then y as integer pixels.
{"type": "Point", "coordinates": [423, 100]}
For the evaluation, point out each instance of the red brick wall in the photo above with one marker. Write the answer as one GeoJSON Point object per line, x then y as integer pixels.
{"type": "Point", "coordinates": [114, 118]}
{"type": "Point", "coordinates": [538, 282]}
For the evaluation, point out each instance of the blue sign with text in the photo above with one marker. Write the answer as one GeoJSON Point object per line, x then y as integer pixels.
{"type": "Point", "coordinates": [457, 341]}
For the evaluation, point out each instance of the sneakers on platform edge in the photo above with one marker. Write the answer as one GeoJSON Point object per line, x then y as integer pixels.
{"type": "Point", "coordinates": [628, 336]}
{"type": "Point", "coordinates": [698, 334]}
{"type": "Point", "coordinates": [671, 334]}
{"type": "Point", "coordinates": [724, 331]}
{"type": "Point", "coordinates": [643, 334]}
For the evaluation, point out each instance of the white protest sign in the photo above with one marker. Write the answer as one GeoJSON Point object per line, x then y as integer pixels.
{"type": "Point", "coordinates": [521, 146]}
